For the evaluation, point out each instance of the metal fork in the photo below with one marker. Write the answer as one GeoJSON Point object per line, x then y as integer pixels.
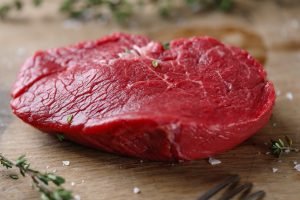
{"type": "Point", "coordinates": [234, 188]}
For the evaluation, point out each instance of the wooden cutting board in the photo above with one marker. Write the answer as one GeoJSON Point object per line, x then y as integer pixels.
{"type": "Point", "coordinates": [270, 32]}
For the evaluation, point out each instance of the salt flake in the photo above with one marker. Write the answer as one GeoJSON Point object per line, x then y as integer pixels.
{"type": "Point", "coordinates": [136, 190]}
{"type": "Point", "coordinates": [66, 163]}
{"type": "Point", "coordinates": [214, 161]}
{"type": "Point", "coordinates": [295, 162]}
{"type": "Point", "coordinates": [274, 169]}
{"type": "Point", "coordinates": [77, 197]}
{"type": "Point", "coordinates": [297, 167]}
{"type": "Point", "coordinates": [289, 96]}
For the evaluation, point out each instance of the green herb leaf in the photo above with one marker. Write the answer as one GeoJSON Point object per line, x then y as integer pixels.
{"type": "Point", "coordinates": [60, 137]}
{"type": "Point", "coordinates": [18, 4]}
{"type": "Point", "coordinates": [166, 46]}
{"type": "Point", "coordinates": [37, 2]}
{"type": "Point", "coordinates": [155, 63]}
{"type": "Point", "coordinates": [70, 119]}
{"type": "Point", "coordinates": [288, 140]}
{"type": "Point", "coordinates": [5, 163]}
{"type": "Point", "coordinates": [279, 146]}
{"type": "Point", "coordinates": [121, 10]}
{"type": "Point", "coordinates": [4, 9]}
{"type": "Point", "coordinates": [48, 184]}
{"type": "Point", "coordinates": [225, 5]}
{"type": "Point", "coordinates": [57, 180]}
{"type": "Point", "coordinates": [13, 176]}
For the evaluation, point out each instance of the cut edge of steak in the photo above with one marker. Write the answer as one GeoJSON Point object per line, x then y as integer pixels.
{"type": "Point", "coordinates": [147, 134]}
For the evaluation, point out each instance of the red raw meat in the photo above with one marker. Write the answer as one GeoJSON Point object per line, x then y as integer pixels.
{"type": "Point", "coordinates": [128, 95]}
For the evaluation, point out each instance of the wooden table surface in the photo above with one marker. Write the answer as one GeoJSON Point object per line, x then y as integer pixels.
{"type": "Point", "coordinates": [270, 32]}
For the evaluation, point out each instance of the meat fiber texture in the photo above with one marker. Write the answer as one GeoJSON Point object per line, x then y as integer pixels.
{"type": "Point", "coordinates": [126, 94]}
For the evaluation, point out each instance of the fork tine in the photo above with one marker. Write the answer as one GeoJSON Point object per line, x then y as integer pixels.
{"type": "Point", "coordinates": [231, 193]}
{"type": "Point", "coordinates": [234, 189]}
{"type": "Point", "coordinates": [230, 180]}
{"type": "Point", "coordinates": [256, 196]}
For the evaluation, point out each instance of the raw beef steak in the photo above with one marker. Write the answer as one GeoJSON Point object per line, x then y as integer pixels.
{"type": "Point", "coordinates": [128, 95]}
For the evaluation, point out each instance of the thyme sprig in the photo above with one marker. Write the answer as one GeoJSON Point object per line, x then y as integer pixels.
{"type": "Point", "coordinates": [279, 146]}
{"type": "Point", "coordinates": [48, 184]}
{"type": "Point", "coordinates": [121, 10]}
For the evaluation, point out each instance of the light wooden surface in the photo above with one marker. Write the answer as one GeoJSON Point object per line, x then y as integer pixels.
{"type": "Point", "coordinates": [271, 33]}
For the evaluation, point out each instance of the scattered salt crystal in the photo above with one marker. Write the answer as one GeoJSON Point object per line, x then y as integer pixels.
{"type": "Point", "coordinates": [54, 171]}
{"type": "Point", "coordinates": [297, 167]}
{"type": "Point", "coordinates": [266, 143]}
{"type": "Point", "coordinates": [268, 153]}
{"type": "Point", "coordinates": [76, 197]}
{"type": "Point", "coordinates": [214, 161]}
{"type": "Point", "coordinates": [181, 161]}
{"type": "Point", "coordinates": [289, 96]}
{"type": "Point", "coordinates": [47, 167]}
{"type": "Point", "coordinates": [274, 169]}
{"type": "Point", "coordinates": [295, 162]}
{"type": "Point", "coordinates": [280, 161]}
{"type": "Point", "coordinates": [287, 151]}
{"type": "Point", "coordinates": [66, 163]}
{"type": "Point", "coordinates": [274, 124]}
{"type": "Point", "coordinates": [136, 190]}
{"type": "Point", "coordinates": [72, 183]}
{"type": "Point", "coordinates": [141, 161]}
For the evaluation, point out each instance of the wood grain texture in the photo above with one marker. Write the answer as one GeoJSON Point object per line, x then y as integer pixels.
{"type": "Point", "coordinates": [274, 30]}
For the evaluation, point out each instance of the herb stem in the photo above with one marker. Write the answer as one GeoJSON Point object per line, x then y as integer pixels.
{"type": "Point", "coordinates": [41, 181]}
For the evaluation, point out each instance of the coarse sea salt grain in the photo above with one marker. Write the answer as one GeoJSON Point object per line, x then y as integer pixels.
{"type": "Point", "coordinates": [66, 163]}
{"type": "Point", "coordinates": [214, 161]}
{"type": "Point", "coordinates": [289, 96]}
{"type": "Point", "coordinates": [136, 190]}
{"type": "Point", "coordinates": [77, 197]}
{"type": "Point", "coordinates": [72, 183]}
{"type": "Point", "coordinates": [274, 169]}
{"type": "Point", "coordinates": [295, 162]}
{"type": "Point", "coordinates": [297, 167]}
